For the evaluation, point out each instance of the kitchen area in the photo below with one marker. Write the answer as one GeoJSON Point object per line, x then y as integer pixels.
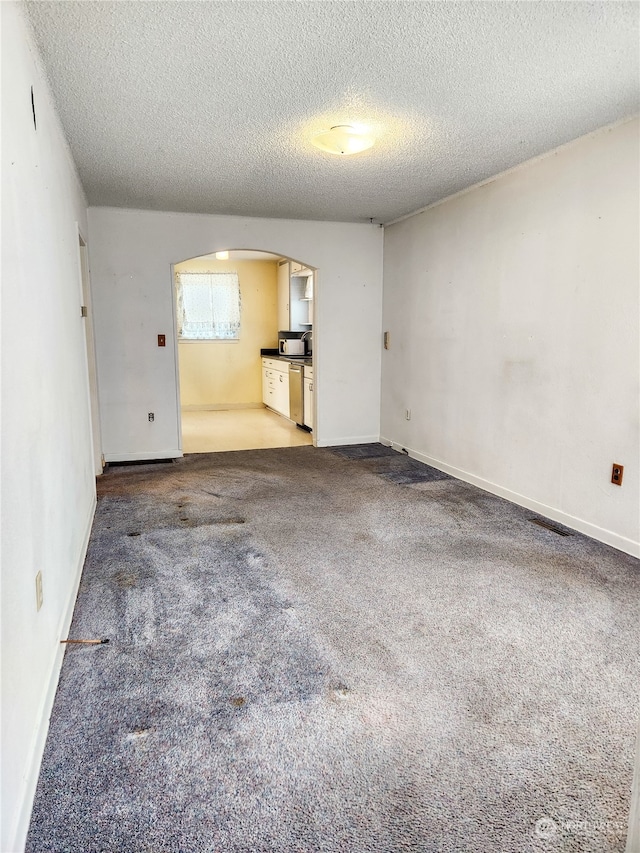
{"type": "Point", "coordinates": [253, 390]}
{"type": "Point", "coordinates": [287, 371]}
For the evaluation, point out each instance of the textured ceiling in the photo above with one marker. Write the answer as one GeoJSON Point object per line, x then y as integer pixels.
{"type": "Point", "coordinates": [209, 107]}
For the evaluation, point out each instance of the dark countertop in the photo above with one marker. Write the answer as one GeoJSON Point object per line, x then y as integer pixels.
{"type": "Point", "coordinates": [292, 359]}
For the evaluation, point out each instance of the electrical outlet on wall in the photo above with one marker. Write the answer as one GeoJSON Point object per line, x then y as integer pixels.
{"type": "Point", "coordinates": [38, 590]}
{"type": "Point", "coordinates": [616, 474]}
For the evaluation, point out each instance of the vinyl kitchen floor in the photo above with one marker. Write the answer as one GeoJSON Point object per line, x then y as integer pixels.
{"type": "Point", "coordinates": [238, 429]}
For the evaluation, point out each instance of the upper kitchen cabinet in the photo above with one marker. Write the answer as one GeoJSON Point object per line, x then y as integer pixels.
{"type": "Point", "coordinates": [295, 297]}
{"type": "Point", "coordinates": [298, 307]}
{"type": "Point", "coordinates": [283, 294]}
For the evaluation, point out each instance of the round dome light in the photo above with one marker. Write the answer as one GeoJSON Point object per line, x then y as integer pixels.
{"type": "Point", "coordinates": [343, 139]}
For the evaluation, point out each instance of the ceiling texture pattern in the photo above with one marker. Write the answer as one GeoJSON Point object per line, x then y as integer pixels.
{"type": "Point", "coordinates": [209, 107]}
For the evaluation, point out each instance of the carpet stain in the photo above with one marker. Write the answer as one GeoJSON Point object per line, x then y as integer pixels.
{"type": "Point", "coordinates": [362, 536]}
{"type": "Point", "coordinates": [125, 579]}
{"type": "Point", "coordinates": [339, 693]}
{"type": "Point", "coordinates": [137, 735]}
{"type": "Point", "coordinates": [204, 520]}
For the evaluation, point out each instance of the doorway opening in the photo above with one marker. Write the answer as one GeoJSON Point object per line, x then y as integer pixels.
{"type": "Point", "coordinates": [238, 387]}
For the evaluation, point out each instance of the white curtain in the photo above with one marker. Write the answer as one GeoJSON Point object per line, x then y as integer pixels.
{"type": "Point", "coordinates": [208, 306]}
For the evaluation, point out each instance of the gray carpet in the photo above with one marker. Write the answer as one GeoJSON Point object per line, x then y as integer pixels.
{"type": "Point", "coordinates": [309, 652]}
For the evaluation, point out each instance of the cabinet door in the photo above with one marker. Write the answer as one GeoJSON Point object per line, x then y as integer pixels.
{"type": "Point", "coordinates": [283, 296]}
{"type": "Point", "coordinates": [298, 310]}
{"type": "Point", "coordinates": [269, 388]}
{"type": "Point", "coordinates": [308, 403]}
{"type": "Point", "coordinates": [282, 393]}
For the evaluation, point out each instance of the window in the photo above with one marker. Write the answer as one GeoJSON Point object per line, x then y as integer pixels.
{"type": "Point", "coordinates": [208, 306]}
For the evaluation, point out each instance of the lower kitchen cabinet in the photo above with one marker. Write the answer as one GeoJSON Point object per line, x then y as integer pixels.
{"type": "Point", "coordinates": [282, 393]}
{"type": "Point", "coordinates": [308, 396]}
{"type": "Point", "coordinates": [275, 385]}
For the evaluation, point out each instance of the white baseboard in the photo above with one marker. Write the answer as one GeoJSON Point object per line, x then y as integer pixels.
{"type": "Point", "coordinates": [221, 407]}
{"type": "Point", "coordinates": [142, 457]}
{"type": "Point", "coordinates": [592, 530]}
{"type": "Point", "coordinates": [40, 735]}
{"type": "Point", "coordinates": [352, 439]}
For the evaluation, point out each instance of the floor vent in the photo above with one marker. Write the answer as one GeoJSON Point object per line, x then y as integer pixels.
{"type": "Point", "coordinates": [131, 463]}
{"type": "Point", "coordinates": [549, 525]}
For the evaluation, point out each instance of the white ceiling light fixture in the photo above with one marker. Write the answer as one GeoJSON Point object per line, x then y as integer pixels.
{"type": "Point", "coordinates": [344, 139]}
{"type": "Point", "coordinates": [222, 256]}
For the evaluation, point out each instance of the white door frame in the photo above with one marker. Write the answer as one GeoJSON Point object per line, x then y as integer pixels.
{"type": "Point", "coordinates": [93, 398]}
{"type": "Point", "coordinates": [176, 358]}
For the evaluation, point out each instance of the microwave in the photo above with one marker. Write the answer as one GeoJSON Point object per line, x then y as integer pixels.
{"type": "Point", "coordinates": [290, 346]}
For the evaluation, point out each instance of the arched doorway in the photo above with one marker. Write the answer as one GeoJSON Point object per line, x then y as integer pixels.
{"type": "Point", "coordinates": [238, 388]}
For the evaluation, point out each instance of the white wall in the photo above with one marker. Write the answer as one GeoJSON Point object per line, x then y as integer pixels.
{"type": "Point", "coordinates": [48, 486]}
{"type": "Point", "coordinates": [224, 374]}
{"type": "Point", "coordinates": [131, 254]}
{"type": "Point", "coordinates": [513, 312]}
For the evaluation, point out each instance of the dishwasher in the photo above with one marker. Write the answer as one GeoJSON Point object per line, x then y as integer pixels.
{"type": "Point", "coordinates": [296, 393]}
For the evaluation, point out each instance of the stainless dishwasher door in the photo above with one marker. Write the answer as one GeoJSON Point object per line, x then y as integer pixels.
{"type": "Point", "coordinates": [296, 393]}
